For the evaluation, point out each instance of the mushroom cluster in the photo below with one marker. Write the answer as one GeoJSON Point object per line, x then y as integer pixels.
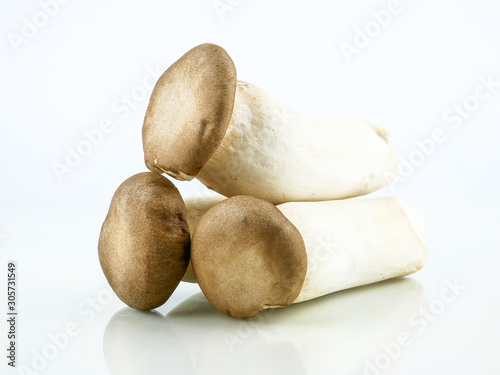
{"type": "Point", "coordinates": [286, 225]}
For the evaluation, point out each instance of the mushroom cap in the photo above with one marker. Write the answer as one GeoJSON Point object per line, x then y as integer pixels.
{"type": "Point", "coordinates": [248, 256]}
{"type": "Point", "coordinates": [189, 112]}
{"type": "Point", "coordinates": [144, 241]}
{"type": "Point", "coordinates": [196, 208]}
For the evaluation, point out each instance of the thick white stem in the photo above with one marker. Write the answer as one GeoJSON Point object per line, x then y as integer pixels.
{"type": "Point", "coordinates": [355, 242]}
{"type": "Point", "coordinates": [271, 152]}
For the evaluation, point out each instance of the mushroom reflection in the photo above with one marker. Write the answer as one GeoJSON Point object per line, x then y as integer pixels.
{"type": "Point", "coordinates": [341, 333]}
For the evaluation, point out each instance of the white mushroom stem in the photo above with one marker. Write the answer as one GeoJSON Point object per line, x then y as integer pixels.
{"type": "Point", "coordinates": [195, 209]}
{"type": "Point", "coordinates": [355, 242]}
{"type": "Point", "coordinates": [272, 152]}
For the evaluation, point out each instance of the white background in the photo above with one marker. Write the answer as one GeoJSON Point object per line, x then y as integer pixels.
{"type": "Point", "coordinates": [73, 73]}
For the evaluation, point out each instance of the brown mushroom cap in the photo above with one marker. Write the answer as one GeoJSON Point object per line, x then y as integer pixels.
{"type": "Point", "coordinates": [196, 208]}
{"type": "Point", "coordinates": [189, 112]}
{"type": "Point", "coordinates": [248, 256]}
{"type": "Point", "coordinates": [144, 241]}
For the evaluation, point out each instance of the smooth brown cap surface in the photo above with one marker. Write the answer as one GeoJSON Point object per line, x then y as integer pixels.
{"type": "Point", "coordinates": [144, 241]}
{"type": "Point", "coordinates": [248, 256]}
{"type": "Point", "coordinates": [189, 112]}
{"type": "Point", "coordinates": [195, 209]}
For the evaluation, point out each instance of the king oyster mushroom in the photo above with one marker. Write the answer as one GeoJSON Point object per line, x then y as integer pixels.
{"type": "Point", "coordinates": [202, 122]}
{"type": "Point", "coordinates": [249, 255]}
{"type": "Point", "coordinates": [144, 241]}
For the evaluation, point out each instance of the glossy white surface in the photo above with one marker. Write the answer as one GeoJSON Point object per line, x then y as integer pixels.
{"type": "Point", "coordinates": [94, 62]}
{"type": "Point", "coordinates": [444, 318]}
